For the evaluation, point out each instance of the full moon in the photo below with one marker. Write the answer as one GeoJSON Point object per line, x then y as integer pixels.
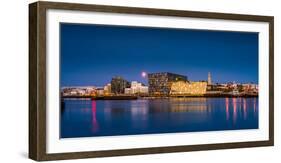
{"type": "Point", "coordinates": [143, 74]}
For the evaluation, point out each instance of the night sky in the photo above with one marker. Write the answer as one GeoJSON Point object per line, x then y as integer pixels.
{"type": "Point", "coordinates": [92, 54]}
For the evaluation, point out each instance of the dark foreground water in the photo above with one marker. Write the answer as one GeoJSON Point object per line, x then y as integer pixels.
{"type": "Point", "coordinates": [85, 118]}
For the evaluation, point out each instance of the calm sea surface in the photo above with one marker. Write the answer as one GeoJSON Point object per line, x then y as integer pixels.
{"type": "Point", "coordinates": [85, 118]}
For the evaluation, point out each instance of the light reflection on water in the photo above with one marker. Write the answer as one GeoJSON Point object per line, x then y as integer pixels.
{"type": "Point", "coordinates": [227, 108]}
{"type": "Point", "coordinates": [234, 102]}
{"type": "Point", "coordinates": [82, 118]}
{"type": "Point", "coordinates": [95, 125]}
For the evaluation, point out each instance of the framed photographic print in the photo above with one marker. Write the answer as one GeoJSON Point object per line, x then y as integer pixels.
{"type": "Point", "coordinates": [112, 81]}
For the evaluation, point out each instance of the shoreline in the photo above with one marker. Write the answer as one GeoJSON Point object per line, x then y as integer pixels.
{"type": "Point", "coordinates": [123, 97]}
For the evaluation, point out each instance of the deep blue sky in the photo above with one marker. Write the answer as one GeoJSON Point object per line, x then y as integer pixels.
{"type": "Point", "coordinates": [93, 54]}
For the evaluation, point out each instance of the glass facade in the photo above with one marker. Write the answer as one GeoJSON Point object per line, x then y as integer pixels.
{"type": "Point", "coordinates": [118, 85]}
{"type": "Point", "coordinates": [160, 83]}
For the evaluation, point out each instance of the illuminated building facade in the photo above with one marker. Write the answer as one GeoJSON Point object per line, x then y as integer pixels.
{"type": "Point", "coordinates": [136, 88]}
{"type": "Point", "coordinates": [107, 89]}
{"type": "Point", "coordinates": [118, 85]}
{"type": "Point", "coordinates": [99, 91]}
{"type": "Point", "coordinates": [160, 83]}
{"type": "Point", "coordinates": [188, 88]}
{"type": "Point", "coordinates": [250, 88]}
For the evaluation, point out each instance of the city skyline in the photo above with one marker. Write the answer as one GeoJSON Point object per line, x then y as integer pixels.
{"type": "Point", "coordinates": [146, 84]}
{"type": "Point", "coordinates": [93, 54]}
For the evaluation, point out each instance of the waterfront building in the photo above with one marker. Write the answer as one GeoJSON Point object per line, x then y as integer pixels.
{"type": "Point", "coordinates": [118, 85]}
{"type": "Point", "coordinates": [188, 88]}
{"type": "Point", "coordinates": [100, 91]}
{"type": "Point", "coordinates": [143, 90]}
{"type": "Point", "coordinates": [221, 87]}
{"type": "Point", "coordinates": [136, 88]}
{"type": "Point", "coordinates": [73, 91]}
{"type": "Point", "coordinates": [107, 89]}
{"type": "Point", "coordinates": [128, 91]}
{"type": "Point", "coordinates": [89, 91]}
{"type": "Point", "coordinates": [78, 91]}
{"type": "Point", "coordinates": [250, 88]}
{"type": "Point", "coordinates": [135, 84]}
{"type": "Point", "coordinates": [160, 83]}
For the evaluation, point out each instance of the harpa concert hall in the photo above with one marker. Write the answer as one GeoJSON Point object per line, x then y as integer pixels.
{"type": "Point", "coordinates": [161, 83]}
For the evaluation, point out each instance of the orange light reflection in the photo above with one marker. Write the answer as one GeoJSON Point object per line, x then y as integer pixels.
{"type": "Point", "coordinates": [227, 108]}
{"type": "Point", "coordinates": [245, 108]}
{"type": "Point", "coordinates": [234, 102]}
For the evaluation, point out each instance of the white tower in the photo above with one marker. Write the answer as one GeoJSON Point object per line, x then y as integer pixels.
{"type": "Point", "coordinates": [209, 79]}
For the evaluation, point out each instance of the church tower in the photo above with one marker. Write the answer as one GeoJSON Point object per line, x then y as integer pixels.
{"type": "Point", "coordinates": [209, 79]}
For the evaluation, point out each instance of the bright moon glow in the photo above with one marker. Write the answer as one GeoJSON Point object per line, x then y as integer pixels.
{"type": "Point", "coordinates": [143, 74]}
